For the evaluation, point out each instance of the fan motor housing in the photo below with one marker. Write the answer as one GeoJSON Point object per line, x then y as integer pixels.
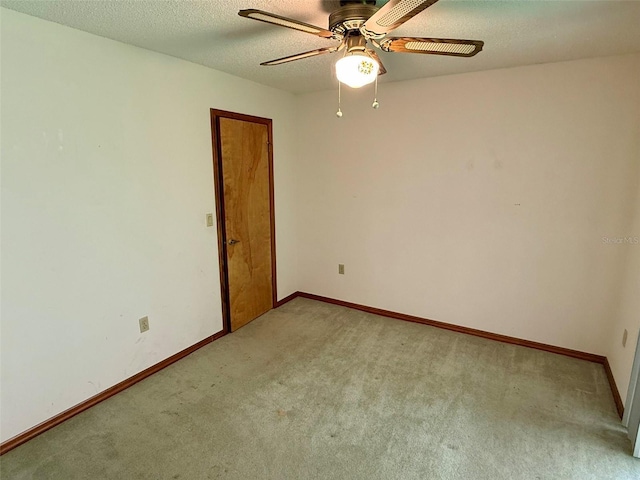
{"type": "Point", "coordinates": [347, 2]}
{"type": "Point", "coordinates": [350, 17]}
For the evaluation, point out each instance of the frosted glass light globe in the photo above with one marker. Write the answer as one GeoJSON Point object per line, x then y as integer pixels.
{"type": "Point", "coordinates": [357, 70]}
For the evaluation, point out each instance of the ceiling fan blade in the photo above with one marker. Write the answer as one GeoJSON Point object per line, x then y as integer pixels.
{"type": "Point", "coordinates": [375, 56]}
{"type": "Point", "coordinates": [300, 56]}
{"type": "Point", "coordinates": [284, 22]}
{"type": "Point", "coordinates": [433, 46]}
{"type": "Point", "coordinates": [393, 14]}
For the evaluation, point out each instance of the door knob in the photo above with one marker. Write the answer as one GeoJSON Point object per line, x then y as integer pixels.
{"type": "Point", "coordinates": [233, 242]}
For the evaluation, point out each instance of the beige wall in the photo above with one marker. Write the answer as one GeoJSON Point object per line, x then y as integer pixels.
{"type": "Point", "coordinates": [106, 181]}
{"type": "Point", "coordinates": [479, 199]}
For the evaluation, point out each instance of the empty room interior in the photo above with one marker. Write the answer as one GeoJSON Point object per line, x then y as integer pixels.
{"type": "Point", "coordinates": [257, 239]}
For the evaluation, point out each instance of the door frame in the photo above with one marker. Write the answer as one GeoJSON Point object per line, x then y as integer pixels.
{"type": "Point", "coordinates": [632, 405]}
{"type": "Point", "coordinates": [218, 183]}
{"type": "Point", "coordinates": [635, 376]}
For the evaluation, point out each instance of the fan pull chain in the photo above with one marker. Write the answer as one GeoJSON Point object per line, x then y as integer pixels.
{"type": "Point", "coordinates": [375, 103]}
{"type": "Point", "coordinates": [339, 112]}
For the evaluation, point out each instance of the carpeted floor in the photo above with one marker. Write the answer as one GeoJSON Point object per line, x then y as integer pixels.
{"type": "Point", "coordinates": [317, 391]}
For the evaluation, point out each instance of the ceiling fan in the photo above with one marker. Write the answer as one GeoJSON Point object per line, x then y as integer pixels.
{"type": "Point", "coordinates": [355, 24]}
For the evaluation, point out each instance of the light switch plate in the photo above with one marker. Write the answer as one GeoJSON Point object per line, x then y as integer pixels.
{"type": "Point", "coordinates": [209, 219]}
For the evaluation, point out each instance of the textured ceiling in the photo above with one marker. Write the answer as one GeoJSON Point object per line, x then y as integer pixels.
{"type": "Point", "coordinates": [211, 33]}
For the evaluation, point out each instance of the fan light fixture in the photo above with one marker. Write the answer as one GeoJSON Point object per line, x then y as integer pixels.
{"type": "Point", "coordinates": [359, 24]}
{"type": "Point", "coordinates": [357, 70]}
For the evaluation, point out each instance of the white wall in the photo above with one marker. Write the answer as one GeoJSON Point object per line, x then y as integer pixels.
{"type": "Point", "coordinates": [628, 311]}
{"type": "Point", "coordinates": [479, 199]}
{"type": "Point", "coordinates": [106, 180]}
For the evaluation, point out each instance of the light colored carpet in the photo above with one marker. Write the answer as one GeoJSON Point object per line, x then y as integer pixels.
{"type": "Point", "coordinates": [317, 391]}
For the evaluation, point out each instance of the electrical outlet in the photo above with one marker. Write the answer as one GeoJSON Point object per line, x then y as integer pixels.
{"type": "Point", "coordinates": [144, 324]}
{"type": "Point", "coordinates": [341, 269]}
{"type": "Point", "coordinates": [209, 219]}
{"type": "Point", "coordinates": [624, 338]}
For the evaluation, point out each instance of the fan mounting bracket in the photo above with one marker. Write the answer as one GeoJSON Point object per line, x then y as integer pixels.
{"type": "Point", "coordinates": [350, 16]}
{"type": "Point", "coordinates": [385, 45]}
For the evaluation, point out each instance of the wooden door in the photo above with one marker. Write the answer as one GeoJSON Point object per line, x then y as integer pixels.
{"type": "Point", "coordinates": [245, 190]}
